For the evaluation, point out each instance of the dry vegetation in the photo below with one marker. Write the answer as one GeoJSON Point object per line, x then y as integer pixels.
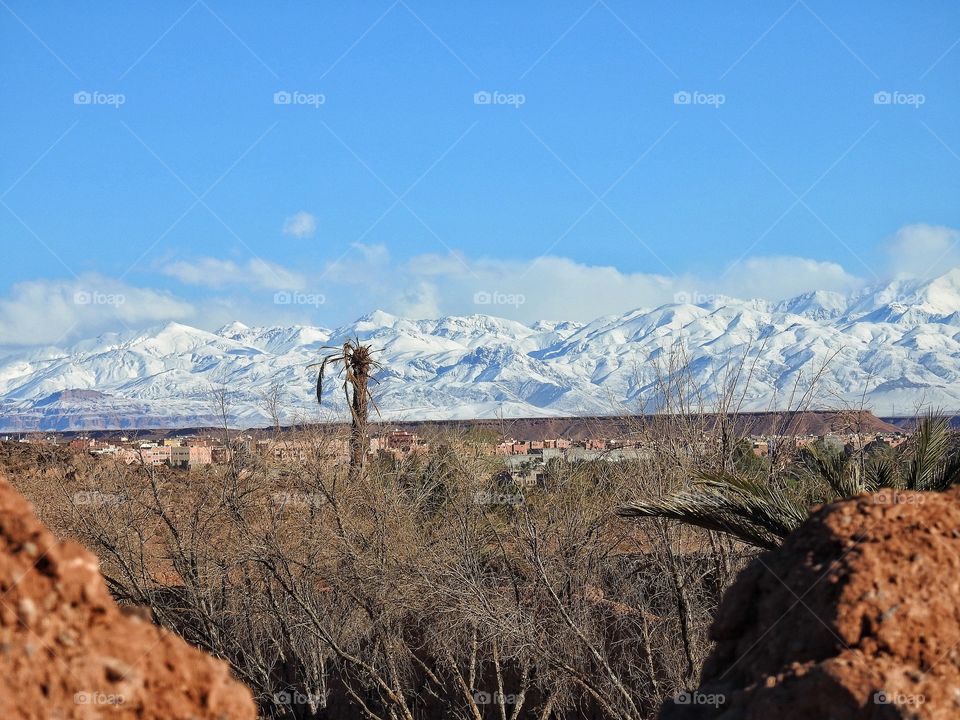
{"type": "Point", "coordinates": [422, 589]}
{"type": "Point", "coordinates": [430, 588]}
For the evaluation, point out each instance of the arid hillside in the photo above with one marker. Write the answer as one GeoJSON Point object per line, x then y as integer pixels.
{"type": "Point", "coordinates": [439, 585]}
{"type": "Point", "coordinates": [68, 651]}
{"type": "Point", "coordinates": [855, 617]}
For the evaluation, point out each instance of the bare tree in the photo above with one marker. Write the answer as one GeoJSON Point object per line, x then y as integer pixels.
{"type": "Point", "coordinates": [356, 364]}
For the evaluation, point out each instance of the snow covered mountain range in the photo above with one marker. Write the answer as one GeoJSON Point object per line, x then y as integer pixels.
{"type": "Point", "coordinates": [895, 347]}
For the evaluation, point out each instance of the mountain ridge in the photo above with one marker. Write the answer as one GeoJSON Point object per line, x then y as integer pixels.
{"type": "Point", "coordinates": [895, 346]}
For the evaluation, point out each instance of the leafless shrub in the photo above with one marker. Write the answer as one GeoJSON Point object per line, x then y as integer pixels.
{"type": "Point", "coordinates": [430, 587]}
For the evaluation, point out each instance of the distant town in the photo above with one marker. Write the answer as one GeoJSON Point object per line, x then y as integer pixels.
{"type": "Point", "coordinates": [208, 449]}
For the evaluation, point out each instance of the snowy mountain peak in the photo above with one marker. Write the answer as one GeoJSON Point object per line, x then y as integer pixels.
{"type": "Point", "coordinates": [898, 345]}
{"type": "Point", "coordinates": [818, 305]}
{"type": "Point", "coordinates": [375, 319]}
{"type": "Point", "coordinates": [941, 295]}
{"type": "Point", "coordinates": [231, 329]}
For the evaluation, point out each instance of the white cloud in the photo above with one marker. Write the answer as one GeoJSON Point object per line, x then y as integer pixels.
{"type": "Point", "coordinates": [432, 285]}
{"type": "Point", "coordinates": [547, 288]}
{"type": "Point", "coordinates": [559, 288]}
{"type": "Point", "coordinates": [372, 253]}
{"type": "Point", "coordinates": [922, 250]}
{"type": "Point", "coordinates": [782, 277]}
{"type": "Point", "coordinates": [419, 301]}
{"type": "Point", "coordinates": [217, 273]}
{"type": "Point", "coordinates": [41, 312]}
{"type": "Point", "coordinates": [300, 225]}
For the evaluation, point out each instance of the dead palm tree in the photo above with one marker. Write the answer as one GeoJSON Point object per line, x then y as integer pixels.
{"type": "Point", "coordinates": [356, 364]}
{"type": "Point", "coordinates": [762, 512]}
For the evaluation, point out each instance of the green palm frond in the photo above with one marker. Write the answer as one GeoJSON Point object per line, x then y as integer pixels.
{"type": "Point", "coordinates": [763, 513]}
{"type": "Point", "coordinates": [836, 468]}
{"type": "Point", "coordinates": [925, 470]}
{"type": "Point", "coordinates": [949, 474]}
{"type": "Point", "coordinates": [756, 513]}
{"type": "Point", "coordinates": [943, 476]}
{"type": "Point", "coordinates": [881, 473]}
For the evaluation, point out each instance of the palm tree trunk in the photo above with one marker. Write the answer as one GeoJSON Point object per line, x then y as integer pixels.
{"type": "Point", "coordinates": [359, 441]}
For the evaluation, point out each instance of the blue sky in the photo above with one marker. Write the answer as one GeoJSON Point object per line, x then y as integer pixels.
{"type": "Point", "coordinates": [184, 190]}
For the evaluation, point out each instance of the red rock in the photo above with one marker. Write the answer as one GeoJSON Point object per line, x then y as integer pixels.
{"type": "Point", "coordinates": [68, 651]}
{"type": "Point", "coordinates": [856, 616]}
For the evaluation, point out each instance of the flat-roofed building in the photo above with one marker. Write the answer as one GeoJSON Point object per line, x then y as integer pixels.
{"type": "Point", "coordinates": [186, 456]}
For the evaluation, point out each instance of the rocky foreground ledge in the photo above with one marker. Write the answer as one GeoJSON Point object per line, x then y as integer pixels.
{"type": "Point", "coordinates": [68, 651]}
{"type": "Point", "coordinates": [856, 616]}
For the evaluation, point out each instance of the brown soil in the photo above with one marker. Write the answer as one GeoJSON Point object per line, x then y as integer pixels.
{"type": "Point", "coordinates": [856, 616]}
{"type": "Point", "coordinates": [68, 651]}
